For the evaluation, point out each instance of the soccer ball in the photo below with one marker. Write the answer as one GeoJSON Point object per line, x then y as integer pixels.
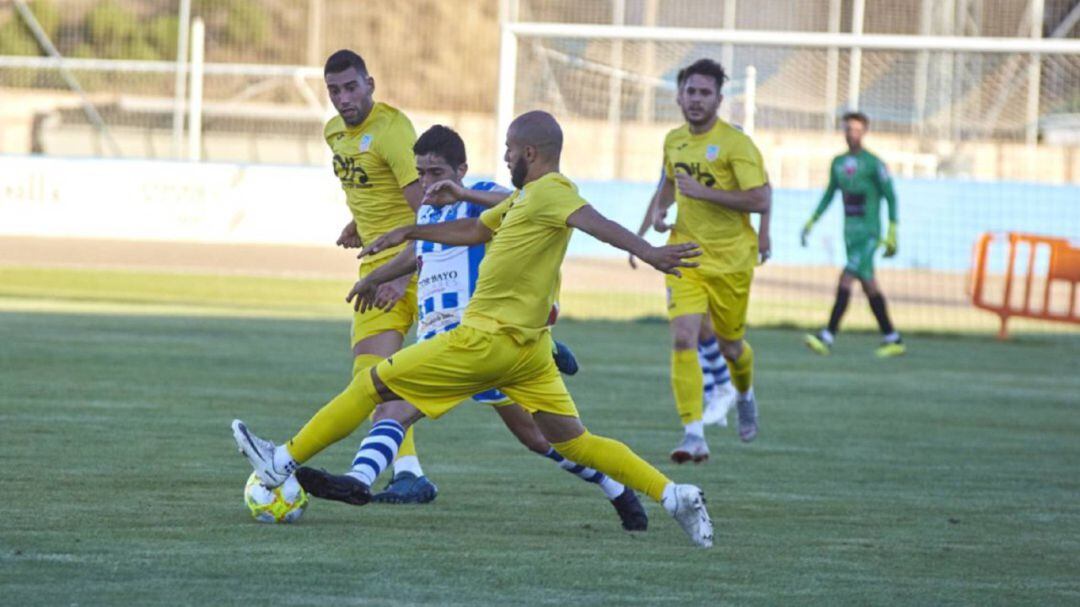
{"type": "Point", "coordinates": [284, 504]}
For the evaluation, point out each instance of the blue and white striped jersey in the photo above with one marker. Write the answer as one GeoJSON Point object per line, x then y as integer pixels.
{"type": "Point", "coordinates": [447, 274]}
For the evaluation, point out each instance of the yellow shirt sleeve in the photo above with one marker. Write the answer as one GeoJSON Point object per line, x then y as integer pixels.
{"type": "Point", "coordinates": [396, 149]}
{"type": "Point", "coordinates": [556, 201]}
{"type": "Point", "coordinates": [492, 218]}
{"type": "Point", "coordinates": [748, 166]}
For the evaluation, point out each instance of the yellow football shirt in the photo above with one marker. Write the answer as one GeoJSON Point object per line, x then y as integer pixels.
{"type": "Point", "coordinates": [519, 275]}
{"type": "Point", "coordinates": [723, 158]}
{"type": "Point", "coordinates": [374, 161]}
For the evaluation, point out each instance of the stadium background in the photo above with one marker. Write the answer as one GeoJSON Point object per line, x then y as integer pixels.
{"type": "Point", "coordinates": [957, 129]}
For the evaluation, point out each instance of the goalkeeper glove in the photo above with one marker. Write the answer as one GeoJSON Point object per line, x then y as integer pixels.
{"type": "Point", "coordinates": [806, 231]}
{"type": "Point", "coordinates": [890, 243]}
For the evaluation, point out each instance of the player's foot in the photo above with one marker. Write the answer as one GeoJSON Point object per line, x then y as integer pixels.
{"type": "Point", "coordinates": [748, 426]}
{"type": "Point", "coordinates": [818, 343]}
{"type": "Point", "coordinates": [260, 454]}
{"type": "Point", "coordinates": [692, 448]}
{"type": "Point", "coordinates": [407, 488]}
{"type": "Point", "coordinates": [686, 503]}
{"type": "Point", "coordinates": [565, 359]}
{"type": "Point", "coordinates": [337, 487]}
{"type": "Point", "coordinates": [890, 349]}
{"type": "Point", "coordinates": [630, 510]}
{"type": "Point", "coordinates": [717, 407]}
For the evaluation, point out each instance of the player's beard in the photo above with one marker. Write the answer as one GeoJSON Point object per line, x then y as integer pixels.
{"type": "Point", "coordinates": [518, 172]}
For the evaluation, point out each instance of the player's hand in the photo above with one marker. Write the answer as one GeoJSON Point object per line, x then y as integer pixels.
{"type": "Point", "coordinates": [443, 192]}
{"type": "Point", "coordinates": [804, 236]}
{"type": "Point", "coordinates": [890, 244]}
{"type": "Point", "coordinates": [764, 247]}
{"type": "Point", "coordinates": [659, 220]}
{"type": "Point", "coordinates": [388, 240]}
{"type": "Point", "coordinates": [362, 295]}
{"type": "Point", "coordinates": [349, 238]}
{"type": "Point", "coordinates": [389, 293]}
{"type": "Point", "coordinates": [690, 187]}
{"type": "Point", "coordinates": [669, 258]}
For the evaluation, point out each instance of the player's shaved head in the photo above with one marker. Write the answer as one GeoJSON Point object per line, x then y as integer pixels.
{"type": "Point", "coordinates": [540, 130]}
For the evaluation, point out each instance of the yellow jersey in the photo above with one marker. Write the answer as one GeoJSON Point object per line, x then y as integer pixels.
{"type": "Point", "coordinates": [726, 159]}
{"type": "Point", "coordinates": [519, 276]}
{"type": "Point", "coordinates": [374, 161]}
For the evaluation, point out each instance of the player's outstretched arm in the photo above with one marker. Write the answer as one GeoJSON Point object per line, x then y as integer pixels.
{"type": "Point", "coordinates": [754, 200]}
{"type": "Point", "coordinates": [455, 233]}
{"type": "Point", "coordinates": [448, 192]}
{"type": "Point", "coordinates": [364, 293]}
{"type": "Point", "coordinates": [667, 259]}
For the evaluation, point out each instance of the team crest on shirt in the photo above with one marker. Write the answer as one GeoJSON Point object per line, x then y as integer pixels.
{"type": "Point", "coordinates": [850, 166]}
{"type": "Point", "coordinates": [712, 152]}
{"type": "Point", "coordinates": [365, 143]}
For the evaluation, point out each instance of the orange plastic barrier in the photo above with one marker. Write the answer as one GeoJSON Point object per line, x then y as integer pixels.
{"type": "Point", "coordinates": [1063, 266]}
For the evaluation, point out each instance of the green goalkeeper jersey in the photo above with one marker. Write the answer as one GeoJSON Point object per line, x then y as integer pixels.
{"type": "Point", "coordinates": [863, 181]}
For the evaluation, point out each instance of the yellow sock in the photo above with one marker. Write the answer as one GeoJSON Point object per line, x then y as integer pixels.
{"type": "Point", "coordinates": [742, 369]}
{"type": "Point", "coordinates": [336, 420]}
{"type": "Point", "coordinates": [615, 460]}
{"type": "Point", "coordinates": [408, 446]}
{"type": "Point", "coordinates": [686, 380]}
{"type": "Point", "coordinates": [363, 361]}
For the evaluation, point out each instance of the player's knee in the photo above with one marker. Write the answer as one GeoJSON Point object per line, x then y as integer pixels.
{"type": "Point", "coordinates": [684, 338]}
{"type": "Point", "coordinates": [397, 410]}
{"type": "Point", "coordinates": [731, 350]}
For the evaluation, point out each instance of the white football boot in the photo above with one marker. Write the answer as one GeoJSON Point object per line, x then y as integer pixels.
{"type": "Point", "coordinates": [721, 403]}
{"type": "Point", "coordinates": [686, 504]}
{"type": "Point", "coordinates": [260, 454]}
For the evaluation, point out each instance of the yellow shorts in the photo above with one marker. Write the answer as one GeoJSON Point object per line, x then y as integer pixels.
{"type": "Point", "coordinates": [400, 318]}
{"type": "Point", "coordinates": [438, 374]}
{"type": "Point", "coordinates": [724, 297]}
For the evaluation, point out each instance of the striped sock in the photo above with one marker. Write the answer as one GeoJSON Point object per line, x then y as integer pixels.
{"type": "Point", "coordinates": [713, 366]}
{"type": "Point", "coordinates": [611, 487]}
{"type": "Point", "coordinates": [377, 451]}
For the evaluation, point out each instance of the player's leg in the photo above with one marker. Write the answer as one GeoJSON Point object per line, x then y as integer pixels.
{"type": "Point", "coordinates": [378, 334]}
{"type": "Point", "coordinates": [521, 425]}
{"type": "Point", "coordinates": [687, 380]}
{"type": "Point", "coordinates": [686, 503]}
{"type": "Point", "coordinates": [426, 379]}
{"type": "Point", "coordinates": [333, 422]}
{"type": "Point", "coordinates": [891, 344]}
{"type": "Point", "coordinates": [718, 392]}
{"type": "Point", "coordinates": [688, 301]}
{"type": "Point", "coordinates": [729, 299]}
{"type": "Point", "coordinates": [822, 341]}
{"type": "Point", "coordinates": [535, 384]}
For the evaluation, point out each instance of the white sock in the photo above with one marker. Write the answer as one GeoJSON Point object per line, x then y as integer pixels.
{"type": "Point", "coordinates": [827, 337]}
{"type": "Point", "coordinates": [283, 460]}
{"type": "Point", "coordinates": [611, 487]}
{"type": "Point", "coordinates": [749, 394]}
{"type": "Point", "coordinates": [696, 428]}
{"type": "Point", "coordinates": [408, 463]}
{"type": "Point", "coordinates": [892, 338]}
{"type": "Point", "coordinates": [667, 498]}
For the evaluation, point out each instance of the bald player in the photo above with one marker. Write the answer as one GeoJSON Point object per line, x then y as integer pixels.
{"type": "Point", "coordinates": [504, 342]}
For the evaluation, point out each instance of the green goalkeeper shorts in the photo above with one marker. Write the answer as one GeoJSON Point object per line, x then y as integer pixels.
{"type": "Point", "coordinates": [860, 256]}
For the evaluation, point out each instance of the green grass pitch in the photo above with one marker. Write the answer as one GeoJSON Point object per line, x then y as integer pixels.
{"type": "Point", "coordinates": [950, 476]}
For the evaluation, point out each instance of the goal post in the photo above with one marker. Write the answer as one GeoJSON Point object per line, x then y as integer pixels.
{"type": "Point", "coordinates": [941, 89]}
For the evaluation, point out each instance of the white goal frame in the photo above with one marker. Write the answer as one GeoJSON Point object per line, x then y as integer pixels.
{"type": "Point", "coordinates": [512, 31]}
